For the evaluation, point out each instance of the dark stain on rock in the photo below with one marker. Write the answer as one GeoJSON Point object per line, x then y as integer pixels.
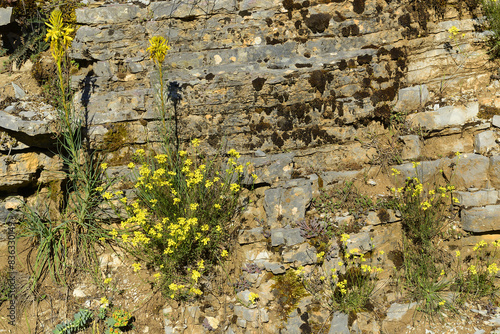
{"type": "Point", "coordinates": [209, 76]}
{"type": "Point", "coordinates": [383, 95]}
{"type": "Point", "coordinates": [273, 41]}
{"type": "Point", "coordinates": [351, 30]}
{"type": "Point", "coordinates": [277, 140]}
{"type": "Point", "coordinates": [298, 24]}
{"type": "Point", "coordinates": [360, 95]}
{"type": "Point", "coordinates": [383, 115]}
{"type": "Point", "coordinates": [342, 65]}
{"type": "Point", "coordinates": [318, 23]}
{"type": "Point", "coordinates": [319, 78]}
{"type": "Point", "coordinates": [358, 6]}
{"type": "Point", "coordinates": [364, 59]}
{"type": "Point", "coordinates": [303, 65]}
{"type": "Point", "coordinates": [397, 53]}
{"type": "Point", "coordinates": [244, 13]}
{"type": "Point", "coordinates": [307, 54]}
{"type": "Point", "coordinates": [213, 140]}
{"type": "Point", "coordinates": [339, 17]}
{"type": "Point", "coordinates": [367, 82]}
{"type": "Point", "coordinates": [269, 22]}
{"type": "Point", "coordinates": [405, 20]}
{"type": "Point", "coordinates": [258, 83]}
{"type": "Point", "coordinates": [285, 124]}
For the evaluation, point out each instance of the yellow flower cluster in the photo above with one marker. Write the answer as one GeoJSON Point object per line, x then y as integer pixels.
{"type": "Point", "coordinates": [58, 34]}
{"type": "Point", "coordinates": [252, 297]}
{"type": "Point", "coordinates": [158, 49]}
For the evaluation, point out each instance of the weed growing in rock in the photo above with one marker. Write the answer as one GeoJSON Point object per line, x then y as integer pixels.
{"type": "Point", "coordinates": [180, 222]}
{"type": "Point", "coordinates": [348, 285]}
{"type": "Point", "coordinates": [475, 275]}
{"type": "Point", "coordinates": [431, 272]}
{"type": "Point", "coordinates": [422, 213]}
{"type": "Point", "coordinates": [289, 290]}
{"type": "Point", "coordinates": [491, 10]}
{"type": "Point", "coordinates": [66, 241]}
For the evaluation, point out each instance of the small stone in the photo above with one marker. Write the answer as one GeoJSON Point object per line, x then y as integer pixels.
{"type": "Point", "coordinates": [5, 15]}
{"type": "Point", "coordinates": [275, 267]}
{"type": "Point", "coordinates": [18, 91]}
{"type": "Point", "coordinates": [371, 182]}
{"type": "Point", "coordinates": [259, 153]}
{"type": "Point", "coordinates": [241, 323]}
{"type": "Point", "coordinates": [397, 311]}
{"type": "Point", "coordinates": [251, 236]}
{"type": "Point", "coordinates": [339, 324]}
{"type": "Point", "coordinates": [496, 121]}
{"type": "Point", "coordinates": [484, 142]}
{"type": "Point", "coordinates": [79, 293]}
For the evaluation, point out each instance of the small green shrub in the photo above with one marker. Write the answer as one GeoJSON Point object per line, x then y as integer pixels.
{"type": "Point", "coordinates": [288, 290]}
{"type": "Point", "coordinates": [429, 271]}
{"type": "Point", "coordinates": [491, 10]}
{"type": "Point", "coordinates": [80, 321]}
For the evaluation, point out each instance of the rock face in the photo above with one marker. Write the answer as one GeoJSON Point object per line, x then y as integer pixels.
{"type": "Point", "coordinates": [304, 90]}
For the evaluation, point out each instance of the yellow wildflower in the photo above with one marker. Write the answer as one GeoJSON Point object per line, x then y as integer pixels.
{"type": "Point", "coordinates": [131, 165]}
{"type": "Point", "coordinates": [195, 275]}
{"type": "Point", "coordinates": [252, 298]}
{"type": "Point", "coordinates": [107, 280]}
{"type": "Point", "coordinates": [224, 253]}
{"type": "Point", "coordinates": [104, 166]}
{"type": "Point", "coordinates": [137, 267]}
{"type": "Point", "coordinates": [158, 49]}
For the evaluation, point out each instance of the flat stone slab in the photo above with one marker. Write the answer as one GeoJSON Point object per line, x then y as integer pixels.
{"type": "Point", "coordinates": [479, 220]}
{"type": "Point", "coordinates": [251, 236]}
{"type": "Point", "coordinates": [5, 16]}
{"type": "Point", "coordinates": [397, 311]}
{"type": "Point", "coordinates": [286, 205]}
{"type": "Point", "coordinates": [270, 168]}
{"type": "Point", "coordinates": [115, 13]}
{"type": "Point", "coordinates": [445, 117]}
{"type": "Point", "coordinates": [411, 98]}
{"type": "Point", "coordinates": [339, 324]}
{"type": "Point", "coordinates": [478, 198]}
{"type": "Point", "coordinates": [32, 123]}
{"type": "Point", "coordinates": [288, 236]}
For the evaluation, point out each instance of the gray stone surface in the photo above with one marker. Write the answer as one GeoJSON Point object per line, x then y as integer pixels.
{"type": "Point", "coordinates": [116, 13]}
{"type": "Point", "coordinates": [412, 147]}
{"type": "Point", "coordinates": [412, 98]}
{"type": "Point", "coordinates": [286, 236]}
{"type": "Point", "coordinates": [18, 91]}
{"type": "Point", "coordinates": [339, 324]}
{"type": "Point", "coordinates": [5, 16]}
{"type": "Point", "coordinates": [285, 205]}
{"type": "Point", "coordinates": [251, 236]}
{"type": "Point", "coordinates": [496, 121]}
{"type": "Point", "coordinates": [303, 255]}
{"type": "Point", "coordinates": [484, 142]}
{"type": "Point", "coordinates": [445, 117]}
{"type": "Point", "coordinates": [271, 168]}
{"type": "Point", "coordinates": [478, 198]}
{"type": "Point", "coordinates": [275, 267]}
{"type": "Point", "coordinates": [494, 171]}
{"type": "Point", "coordinates": [360, 241]}
{"type": "Point", "coordinates": [471, 171]}
{"type": "Point", "coordinates": [33, 123]}
{"type": "Point", "coordinates": [397, 311]}
{"type": "Point", "coordinates": [479, 220]}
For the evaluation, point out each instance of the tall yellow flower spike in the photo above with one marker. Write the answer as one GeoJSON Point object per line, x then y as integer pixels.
{"type": "Point", "coordinates": [59, 35]}
{"type": "Point", "coordinates": [158, 49]}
